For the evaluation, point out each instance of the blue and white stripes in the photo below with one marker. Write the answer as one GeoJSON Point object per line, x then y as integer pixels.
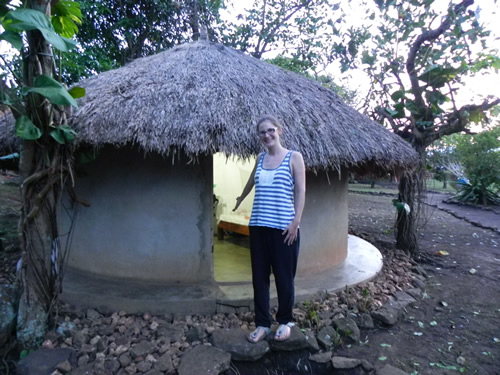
{"type": "Point", "coordinates": [273, 205]}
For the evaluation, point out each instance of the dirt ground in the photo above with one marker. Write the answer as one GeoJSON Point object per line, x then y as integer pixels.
{"type": "Point", "coordinates": [454, 328]}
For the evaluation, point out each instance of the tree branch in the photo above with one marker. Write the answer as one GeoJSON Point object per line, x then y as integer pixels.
{"type": "Point", "coordinates": [458, 120]}
{"type": "Point", "coordinates": [268, 34]}
{"type": "Point", "coordinates": [415, 48]}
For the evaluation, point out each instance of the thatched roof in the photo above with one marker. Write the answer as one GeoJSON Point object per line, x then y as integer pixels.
{"type": "Point", "coordinates": [202, 98]}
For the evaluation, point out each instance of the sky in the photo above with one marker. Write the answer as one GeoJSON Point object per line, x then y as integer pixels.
{"type": "Point", "coordinates": [481, 85]}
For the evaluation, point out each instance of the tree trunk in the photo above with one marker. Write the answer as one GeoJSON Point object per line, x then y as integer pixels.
{"type": "Point", "coordinates": [406, 227]}
{"type": "Point", "coordinates": [194, 20]}
{"type": "Point", "coordinates": [410, 189]}
{"type": "Point", "coordinates": [41, 169]}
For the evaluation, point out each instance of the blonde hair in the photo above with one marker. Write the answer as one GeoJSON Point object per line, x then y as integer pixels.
{"type": "Point", "coordinates": [273, 120]}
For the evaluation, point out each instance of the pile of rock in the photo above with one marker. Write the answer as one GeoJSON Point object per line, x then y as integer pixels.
{"type": "Point", "coordinates": [124, 344]}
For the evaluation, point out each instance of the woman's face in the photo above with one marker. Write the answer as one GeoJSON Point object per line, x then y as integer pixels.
{"type": "Point", "coordinates": [269, 134]}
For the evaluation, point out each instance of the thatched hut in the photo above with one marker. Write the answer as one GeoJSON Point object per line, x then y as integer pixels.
{"type": "Point", "coordinates": [157, 123]}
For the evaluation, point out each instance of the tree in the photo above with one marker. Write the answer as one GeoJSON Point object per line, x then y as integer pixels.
{"type": "Point", "coordinates": [296, 28]}
{"type": "Point", "coordinates": [417, 60]}
{"type": "Point", "coordinates": [39, 103]}
{"type": "Point", "coordinates": [115, 32]}
{"type": "Point", "coordinates": [479, 155]}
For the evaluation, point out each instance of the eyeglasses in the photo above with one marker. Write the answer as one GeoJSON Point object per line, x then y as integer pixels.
{"type": "Point", "coordinates": [269, 131]}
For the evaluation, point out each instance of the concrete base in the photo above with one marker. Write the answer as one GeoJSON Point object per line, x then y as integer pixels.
{"type": "Point", "coordinates": [82, 291]}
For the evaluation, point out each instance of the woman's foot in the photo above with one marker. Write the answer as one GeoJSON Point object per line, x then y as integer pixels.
{"type": "Point", "coordinates": [283, 332]}
{"type": "Point", "coordinates": [259, 334]}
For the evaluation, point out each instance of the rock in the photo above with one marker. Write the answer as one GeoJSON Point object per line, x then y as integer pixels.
{"type": "Point", "coordinates": [321, 357]}
{"type": "Point", "coordinates": [365, 321]}
{"type": "Point", "coordinates": [125, 360]}
{"type": "Point", "coordinates": [164, 363]}
{"type": "Point", "coordinates": [154, 372]}
{"type": "Point", "coordinates": [390, 312]}
{"type": "Point", "coordinates": [45, 361]}
{"type": "Point", "coordinates": [92, 314]}
{"type": "Point", "coordinates": [112, 364]}
{"type": "Point", "coordinates": [83, 359]}
{"type": "Point", "coordinates": [347, 329]}
{"type": "Point", "coordinates": [418, 283]}
{"type": "Point", "coordinates": [99, 369]}
{"type": "Point", "coordinates": [296, 341]}
{"type": "Point", "coordinates": [64, 367]}
{"type": "Point", "coordinates": [204, 359]}
{"type": "Point", "coordinates": [326, 337]}
{"type": "Point", "coordinates": [8, 301]}
{"type": "Point", "coordinates": [403, 299]}
{"type": "Point", "coordinates": [65, 329]}
{"type": "Point", "coordinates": [312, 343]}
{"type": "Point", "coordinates": [174, 333]}
{"type": "Point", "coordinates": [196, 334]}
{"type": "Point", "coordinates": [144, 366]}
{"type": "Point", "coordinates": [102, 344]}
{"type": "Point", "coordinates": [235, 342]}
{"type": "Point", "coordinates": [361, 366]}
{"type": "Point", "coordinates": [386, 315]}
{"type": "Point", "coordinates": [131, 369]}
{"type": "Point", "coordinates": [390, 370]}
{"type": "Point", "coordinates": [84, 370]}
{"type": "Point", "coordinates": [79, 338]}
{"type": "Point", "coordinates": [415, 292]}
{"type": "Point", "coordinates": [142, 349]}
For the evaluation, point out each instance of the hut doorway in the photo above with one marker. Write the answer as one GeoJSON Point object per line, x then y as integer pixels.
{"type": "Point", "coordinates": [231, 250]}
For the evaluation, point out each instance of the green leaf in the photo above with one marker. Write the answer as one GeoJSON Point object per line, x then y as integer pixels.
{"type": "Point", "coordinates": [52, 90]}
{"type": "Point", "coordinates": [24, 353]}
{"type": "Point", "coordinates": [396, 95]}
{"type": "Point", "coordinates": [63, 134]}
{"type": "Point", "coordinates": [64, 26]}
{"type": "Point", "coordinates": [368, 59]}
{"type": "Point", "coordinates": [437, 76]}
{"type": "Point", "coordinates": [77, 92]}
{"type": "Point", "coordinates": [29, 19]}
{"type": "Point", "coordinates": [25, 129]}
{"type": "Point", "coordinates": [477, 116]}
{"type": "Point", "coordinates": [13, 38]}
{"type": "Point", "coordinates": [412, 107]}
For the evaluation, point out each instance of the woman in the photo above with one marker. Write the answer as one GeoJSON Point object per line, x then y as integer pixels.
{"type": "Point", "coordinates": [279, 179]}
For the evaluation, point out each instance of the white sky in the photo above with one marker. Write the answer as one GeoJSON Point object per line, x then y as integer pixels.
{"type": "Point", "coordinates": [481, 85]}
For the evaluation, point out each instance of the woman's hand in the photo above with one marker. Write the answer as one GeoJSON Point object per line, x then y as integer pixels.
{"type": "Point", "coordinates": [291, 232]}
{"type": "Point", "coordinates": [238, 202]}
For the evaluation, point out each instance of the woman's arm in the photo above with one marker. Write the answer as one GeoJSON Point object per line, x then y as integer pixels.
{"type": "Point", "coordinates": [299, 175]}
{"type": "Point", "coordinates": [248, 187]}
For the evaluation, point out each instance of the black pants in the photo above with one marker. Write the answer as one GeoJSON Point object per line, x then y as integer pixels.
{"type": "Point", "coordinates": [269, 251]}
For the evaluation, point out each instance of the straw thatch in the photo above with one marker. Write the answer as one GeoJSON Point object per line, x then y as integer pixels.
{"type": "Point", "coordinates": [203, 98]}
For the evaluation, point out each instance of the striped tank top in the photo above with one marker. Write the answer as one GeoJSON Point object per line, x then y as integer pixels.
{"type": "Point", "coordinates": [273, 205]}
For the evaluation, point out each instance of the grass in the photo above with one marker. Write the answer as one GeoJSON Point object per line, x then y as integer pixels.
{"type": "Point", "coordinates": [431, 184]}
{"type": "Point", "coordinates": [436, 185]}
{"type": "Point", "coordinates": [366, 188]}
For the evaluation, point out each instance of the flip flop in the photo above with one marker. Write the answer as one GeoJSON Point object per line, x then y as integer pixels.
{"type": "Point", "coordinates": [259, 334]}
{"type": "Point", "coordinates": [284, 331]}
